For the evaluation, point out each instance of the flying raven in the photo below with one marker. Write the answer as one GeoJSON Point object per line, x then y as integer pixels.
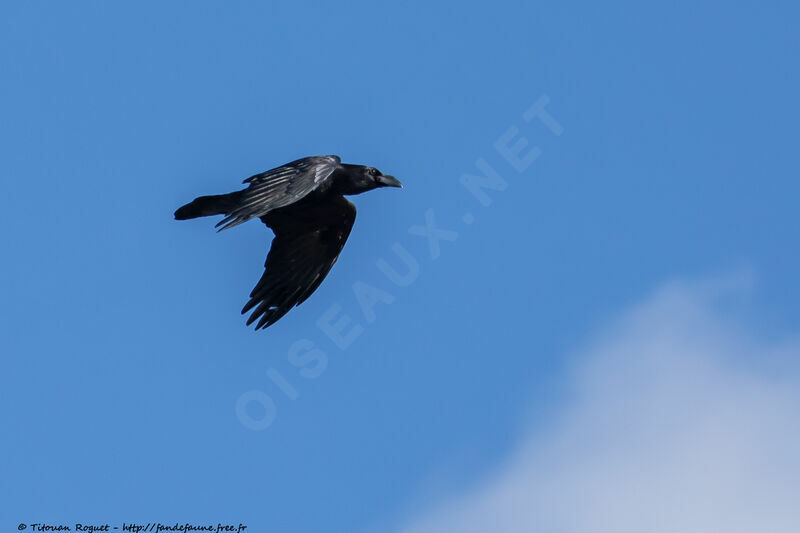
{"type": "Point", "coordinates": [303, 203]}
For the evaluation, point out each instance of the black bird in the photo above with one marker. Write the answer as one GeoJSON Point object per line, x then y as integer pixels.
{"type": "Point", "coordinates": [303, 203]}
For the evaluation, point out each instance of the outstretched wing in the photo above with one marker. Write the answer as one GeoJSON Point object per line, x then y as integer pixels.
{"type": "Point", "coordinates": [279, 187]}
{"type": "Point", "coordinates": [308, 240]}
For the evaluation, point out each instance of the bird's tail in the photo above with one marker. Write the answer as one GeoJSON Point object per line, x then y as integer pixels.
{"type": "Point", "coordinates": [220, 204]}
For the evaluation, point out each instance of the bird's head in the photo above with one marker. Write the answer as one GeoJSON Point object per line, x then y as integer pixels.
{"type": "Point", "coordinates": [360, 178]}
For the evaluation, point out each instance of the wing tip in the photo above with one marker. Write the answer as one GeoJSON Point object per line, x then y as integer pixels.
{"type": "Point", "coordinates": [229, 223]}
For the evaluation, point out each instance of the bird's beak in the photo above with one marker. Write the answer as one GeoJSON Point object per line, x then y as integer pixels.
{"type": "Point", "coordinates": [389, 181]}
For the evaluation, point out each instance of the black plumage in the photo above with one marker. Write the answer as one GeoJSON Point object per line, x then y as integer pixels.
{"type": "Point", "coordinates": [303, 203]}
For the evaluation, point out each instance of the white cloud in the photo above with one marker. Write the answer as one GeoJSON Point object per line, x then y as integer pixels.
{"type": "Point", "coordinates": [680, 421]}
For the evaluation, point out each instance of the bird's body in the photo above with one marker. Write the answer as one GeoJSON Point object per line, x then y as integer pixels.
{"type": "Point", "coordinates": [303, 203]}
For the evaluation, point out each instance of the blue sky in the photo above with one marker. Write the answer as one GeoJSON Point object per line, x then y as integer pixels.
{"type": "Point", "coordinates": [123, 352]}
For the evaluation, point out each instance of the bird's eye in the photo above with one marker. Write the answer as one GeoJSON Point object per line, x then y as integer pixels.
{"type": "Point", "coordinates": [374, 171]}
